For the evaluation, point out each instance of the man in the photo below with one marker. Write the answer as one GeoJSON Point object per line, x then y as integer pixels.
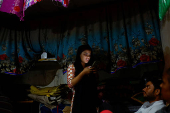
{"type": "Point", "coordinates": [152, 94]}
{"type": "Point", "coordinates": [165, 91]}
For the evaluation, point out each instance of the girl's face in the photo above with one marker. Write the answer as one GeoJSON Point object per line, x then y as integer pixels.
{"type": "Point", "coordinates": [85, 56]}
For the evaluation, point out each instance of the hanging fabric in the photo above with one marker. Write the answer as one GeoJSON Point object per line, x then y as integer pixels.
{"type": "Point", "coordinates": [163, 7]}
{"type": "Point", "coordinates": [18, 7]}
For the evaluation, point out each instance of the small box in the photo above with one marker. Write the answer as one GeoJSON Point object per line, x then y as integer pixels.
{"type": "Point", "coordinates": [44, 55]}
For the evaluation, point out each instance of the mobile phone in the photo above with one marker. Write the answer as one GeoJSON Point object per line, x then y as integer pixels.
{"type": "Point", "coordinates": [94, 64]}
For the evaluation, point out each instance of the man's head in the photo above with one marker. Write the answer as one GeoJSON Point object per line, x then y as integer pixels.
{"type": "Point", "coordinates": [165, 86]}
{"type": "Point", "coordinates": [152, 88]}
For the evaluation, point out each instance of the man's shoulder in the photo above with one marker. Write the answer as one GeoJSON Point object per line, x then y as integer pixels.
{"type": "Point", "coordinates": [154, 103]}
{"type": "Point", "coordinates": [159, 103]}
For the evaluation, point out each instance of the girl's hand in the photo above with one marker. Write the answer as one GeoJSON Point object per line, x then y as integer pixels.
{"type": "Point", "coordinates": [88, 70]}
{"type": "Point", "coordinates": [94, 71]}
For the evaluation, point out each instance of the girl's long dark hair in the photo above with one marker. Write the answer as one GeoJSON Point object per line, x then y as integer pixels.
{"type": "Point", "coordinates": [77, 64]}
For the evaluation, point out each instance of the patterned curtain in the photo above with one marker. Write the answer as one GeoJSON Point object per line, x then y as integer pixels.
{"type": "Point", "coordinates": [134, 34]}
{"type": "Point", "coordinates": [122, 35]}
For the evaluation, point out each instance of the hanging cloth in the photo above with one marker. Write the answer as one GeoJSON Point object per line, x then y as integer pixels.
{"type": "Point", "coordinates": [163, 7]}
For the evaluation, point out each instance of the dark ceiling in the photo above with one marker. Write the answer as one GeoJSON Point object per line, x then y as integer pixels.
{"type": "Point", "coordinates": [47, 8]}
{"type": "Point", "coordinates": [50, 7]}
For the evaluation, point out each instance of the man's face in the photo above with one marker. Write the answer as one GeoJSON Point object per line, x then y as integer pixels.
{"type": "Point", "coordinates": [149, 91]}
{"type": "Point", "coordinates": [165, 88]}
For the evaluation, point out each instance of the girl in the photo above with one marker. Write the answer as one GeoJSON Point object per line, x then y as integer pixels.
{"type": "Point", "coordinates": [81, 78]}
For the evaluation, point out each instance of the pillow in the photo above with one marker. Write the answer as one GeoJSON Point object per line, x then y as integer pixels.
{"type": "Point", "coordinates": [106, 111]}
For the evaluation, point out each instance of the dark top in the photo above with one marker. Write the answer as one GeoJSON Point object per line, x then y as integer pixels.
{"type": "Point", "coordinates": [85, 95]}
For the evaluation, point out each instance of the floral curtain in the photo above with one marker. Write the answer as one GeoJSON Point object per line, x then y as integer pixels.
{"type": "Point", "coordinates": [122, 35]}
{"type": "Point", "coordinates": [134, 34]}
